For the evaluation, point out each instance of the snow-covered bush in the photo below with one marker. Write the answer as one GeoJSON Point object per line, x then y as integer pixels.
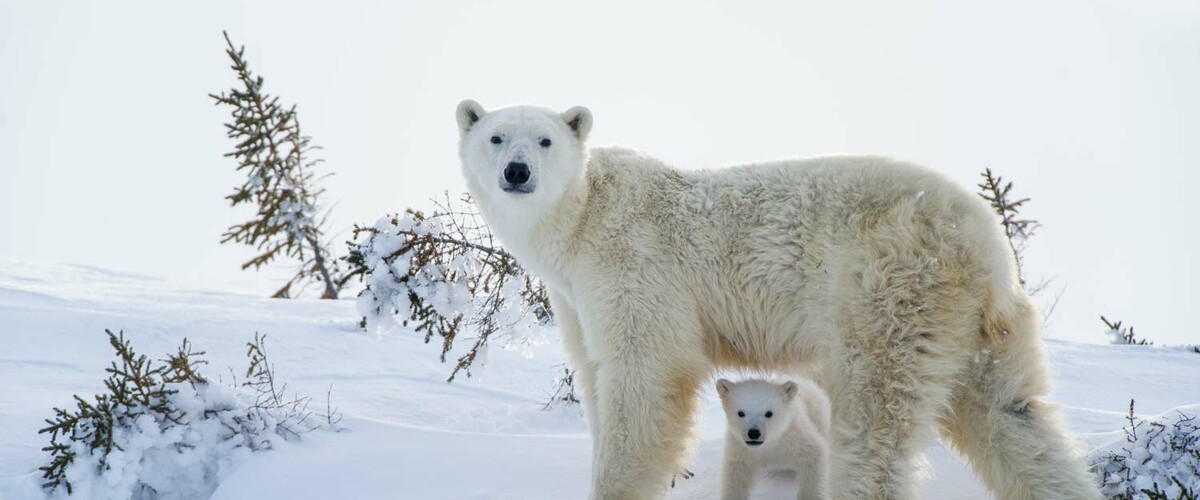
{"type": "Point", "coordinates": [1122, 335]}
{"type": "Point", "coordinates": [1160, 459]}
{"type": "Point", "coordinates": [160, 430]}
{"type": "Point", "coordinates": [563, 392]}
{"type": "Point", "coordinates": [445, 274]}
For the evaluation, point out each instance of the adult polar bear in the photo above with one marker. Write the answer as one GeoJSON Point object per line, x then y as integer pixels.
{"type": "Point", "coordinates": [896, 284]}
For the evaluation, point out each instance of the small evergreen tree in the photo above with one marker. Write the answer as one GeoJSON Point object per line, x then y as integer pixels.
{"type": "Point", "coordinates": [997, 193]}
{"type": "Point", "coordinates": [277, 159]}
{"type": "Point", "coordinates": [135, 386]}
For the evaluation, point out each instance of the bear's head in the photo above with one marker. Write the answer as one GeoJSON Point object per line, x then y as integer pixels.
{"type": "Point", "coordinates": [758, 411]}
{"type": "Point", "coordinates": [521, 157]}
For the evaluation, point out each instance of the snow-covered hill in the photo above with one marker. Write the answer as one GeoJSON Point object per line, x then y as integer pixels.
{"type": "Point", "coordinates": [412, 435]}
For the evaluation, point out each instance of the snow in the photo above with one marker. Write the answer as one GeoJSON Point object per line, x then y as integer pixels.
{"type": "Point", "coordinates": [410, 434]}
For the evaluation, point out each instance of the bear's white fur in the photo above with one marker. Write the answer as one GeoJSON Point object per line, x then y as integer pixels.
{"type": "Point", "coordinates": [772, 428]}
{"type": "Point", "coordinates": [893, 285]}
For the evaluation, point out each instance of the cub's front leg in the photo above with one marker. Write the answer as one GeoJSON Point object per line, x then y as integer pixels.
{"type": "Point", "coordinates": [737, 473]}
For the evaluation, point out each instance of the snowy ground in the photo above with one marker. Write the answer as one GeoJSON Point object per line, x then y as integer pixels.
{"type": "Point", "coordinates": [411, 435]}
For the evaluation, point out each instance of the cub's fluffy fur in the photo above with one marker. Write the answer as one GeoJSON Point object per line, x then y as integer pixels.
{"type": "Point", "coordinates": [774, 428]}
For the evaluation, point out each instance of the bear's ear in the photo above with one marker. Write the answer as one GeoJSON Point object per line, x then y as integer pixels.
{"type": "Point", "coordinates": [723, 387]}
{"type": "Point", "coordinates": [468, 113]}
{"type": "Point", "coordinates": [790, 389]}
{"type": "Point", "coordinates": [579, 119]}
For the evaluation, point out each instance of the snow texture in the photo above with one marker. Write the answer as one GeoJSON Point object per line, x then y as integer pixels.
{"type": "Point", "coordinates": [412, 435]}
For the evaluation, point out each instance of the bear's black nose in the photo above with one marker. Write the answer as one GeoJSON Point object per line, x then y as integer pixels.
{"type": "Point", "coordinates": [516, 173]}
{"type": "Point", "coordinates": [753, 433]}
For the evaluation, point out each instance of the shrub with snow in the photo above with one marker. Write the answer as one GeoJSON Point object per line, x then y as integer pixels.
{"type": "Point", "coordinates": [164, 431]}
{"type": "Point", "coordinates": [563, 393]}
{"type": "Point", "coordinates": [1160, 459]}
{"type": "Point", "coordinates": [1122, 335]}
{"type": "Point", "coordinates": [445, 274]}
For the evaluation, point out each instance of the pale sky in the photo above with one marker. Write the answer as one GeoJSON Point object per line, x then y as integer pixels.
{"type": "Point", "coordinates": [110, 149]}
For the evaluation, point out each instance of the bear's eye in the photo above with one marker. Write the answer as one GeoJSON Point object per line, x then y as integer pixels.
{"type": "Point", "coordinates": [545, 143]}
{"type": "Point", "coordinates": [769, 414]}
{"type": "Point", "coordinates": [742, 414]}
{"type": "Point", "coordinates": [496, 139]}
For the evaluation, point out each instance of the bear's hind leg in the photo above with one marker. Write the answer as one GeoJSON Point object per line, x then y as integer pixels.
{"type": "Point", "coordinates": [1000, 421]}
{"type": "Point", "coordinates": [879, 430]}
{"type": "Point", "coordinates": [889, 388]}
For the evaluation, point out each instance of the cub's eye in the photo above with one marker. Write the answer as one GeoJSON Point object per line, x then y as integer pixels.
{"type": "Point", "coordinates": [496, 139]}
{"type": "Point", "coordinates": [742, 414]}
{"type": "Point", "coordinates": [769, 414]}
{"type": "Point", "coordinates": [545, 143]}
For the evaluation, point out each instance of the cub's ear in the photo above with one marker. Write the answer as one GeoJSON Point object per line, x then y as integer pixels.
{"type": "Point", "coordinates": [789, 390]}
{"type": "Point", "coordinates": [723, 387]}
{"type": "Point", "coordinates": [468, 113]}
{"type": "Point", "coordinates": [579, 119]}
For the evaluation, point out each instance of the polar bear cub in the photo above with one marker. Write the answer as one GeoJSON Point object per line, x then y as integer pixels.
{"type": "Point", "coordinates": [775, 428]}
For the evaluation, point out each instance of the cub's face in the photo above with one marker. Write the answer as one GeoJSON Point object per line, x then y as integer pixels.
{"type": "Point", "coordinates": [521, 155]}
{"type": "Point", "coordinates": [757, 411]}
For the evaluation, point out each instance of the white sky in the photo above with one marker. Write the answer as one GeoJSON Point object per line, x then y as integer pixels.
{"type": "Point", "coordinates": [110, 149]}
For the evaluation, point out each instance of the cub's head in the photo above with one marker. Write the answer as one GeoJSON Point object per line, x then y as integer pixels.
{"type": "Point", "coordinates": [521, 154]}
{"type": "Point", "coordinates": [758, 411]}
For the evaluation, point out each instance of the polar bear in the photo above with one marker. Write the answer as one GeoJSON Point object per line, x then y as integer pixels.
{"type": "Point", "coordinates": [772, 428]}
{"type": "Point", "coordinates": [894, 285]}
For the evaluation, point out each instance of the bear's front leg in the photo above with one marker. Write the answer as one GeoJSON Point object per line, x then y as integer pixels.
{"type": "Point", "coordinates": [649, 364]}
{"type": "Point", "coordinates": [585, 369]}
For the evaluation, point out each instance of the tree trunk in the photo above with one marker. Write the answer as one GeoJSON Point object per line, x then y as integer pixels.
{"type": "Point", "coordinates": [319, 262]}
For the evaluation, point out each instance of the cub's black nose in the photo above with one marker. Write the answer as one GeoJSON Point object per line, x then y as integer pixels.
{"type": "Point", "coordinates": [516, 173]}
{"type": "Point", "coordinates": [753, 434]}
